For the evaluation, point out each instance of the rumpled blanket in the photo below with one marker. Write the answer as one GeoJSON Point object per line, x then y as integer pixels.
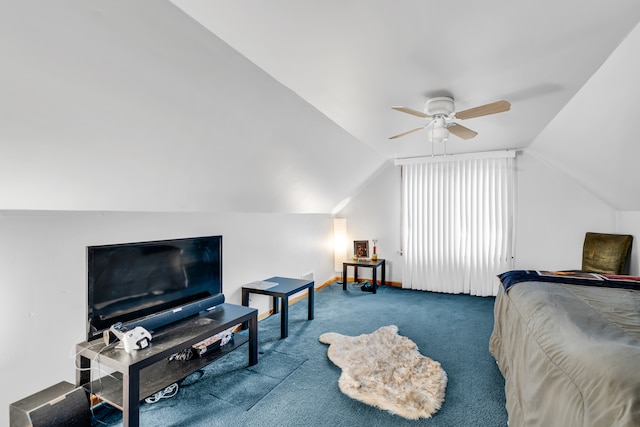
{"type": "Point", "coordinates": [513, 277]}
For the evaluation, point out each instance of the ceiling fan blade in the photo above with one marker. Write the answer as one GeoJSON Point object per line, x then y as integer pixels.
{"type": "Point", "coordinates": [484, 110]}
{"type": "Point", "coordinates": [461, 131]}
{"type": "Point", "coordinates": [412, 112]}
{"type": "Point", "coordinates": [406, 133]}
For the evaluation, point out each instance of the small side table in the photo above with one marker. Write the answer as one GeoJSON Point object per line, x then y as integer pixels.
{"type": "Point", "coordinates": [373, 264]}
{"type": "Point", "coordinates": [283, 290]}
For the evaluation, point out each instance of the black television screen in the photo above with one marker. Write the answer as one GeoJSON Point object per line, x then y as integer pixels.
{"type": "Point", "coordinates": [152, 284]}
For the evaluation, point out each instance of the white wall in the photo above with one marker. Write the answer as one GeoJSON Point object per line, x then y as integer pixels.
{"type": "Point", "coordinates": [628, 222]}
{"type": "Point", "coordinates": [43, 275]}
{"type": "Point", "coordinates": [553, 214]}
{"type": "Point", "coordinates": [374, 213]}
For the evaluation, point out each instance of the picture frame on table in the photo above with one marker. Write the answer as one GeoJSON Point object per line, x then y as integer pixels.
{"type": "Point", "coordinates": [361, 248]}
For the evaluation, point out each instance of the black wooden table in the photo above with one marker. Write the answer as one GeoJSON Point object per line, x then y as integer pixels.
{"type": "Point", "coordinates": [141, 373]}
{"type": "Point", "coordinates": [372, 264]}
{"type": "Point", "coordinates": [283, 290]}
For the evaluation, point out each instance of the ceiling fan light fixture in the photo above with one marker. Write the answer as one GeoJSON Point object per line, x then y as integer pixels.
{"type": "Point", "coordinates": [442, 111]}
{"type": "Point", "coordinates": [438, 132]}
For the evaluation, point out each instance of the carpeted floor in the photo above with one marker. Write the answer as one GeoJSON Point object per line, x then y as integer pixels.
{"type": "Point", "coordinates": [295, 384]}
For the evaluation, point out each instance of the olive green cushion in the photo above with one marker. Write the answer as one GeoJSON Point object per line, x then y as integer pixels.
{"type": "Point", "coordinates": [606, 253]}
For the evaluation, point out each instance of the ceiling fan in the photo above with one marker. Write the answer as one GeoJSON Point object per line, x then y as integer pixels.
{"type": "Point", "coordinates": [441, 111]}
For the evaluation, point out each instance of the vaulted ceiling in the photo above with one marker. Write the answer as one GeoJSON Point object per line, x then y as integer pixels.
{"type": "Point", "coordinates": [284, 106]}
{"type": "Point", "coordinates": [353, 60]}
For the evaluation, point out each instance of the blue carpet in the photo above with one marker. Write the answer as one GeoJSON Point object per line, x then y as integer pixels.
{"type": "Point", "coordinates": [295, 384]}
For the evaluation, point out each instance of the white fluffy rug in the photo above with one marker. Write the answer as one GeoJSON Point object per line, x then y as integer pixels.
{"type": "Point", "coordinates": [385, 370]}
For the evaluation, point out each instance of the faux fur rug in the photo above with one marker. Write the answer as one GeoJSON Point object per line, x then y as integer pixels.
{"type": "Point", "coordinates": [385, 370]}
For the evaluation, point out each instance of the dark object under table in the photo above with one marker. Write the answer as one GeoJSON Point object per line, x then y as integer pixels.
{"type": "Point", "coordinates": [372, 264]}
{"type": "Point", "coordinates": [283, 290]}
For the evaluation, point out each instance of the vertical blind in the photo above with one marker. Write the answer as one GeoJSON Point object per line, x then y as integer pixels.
{"type": "Point", "coordinates": [457, 224]}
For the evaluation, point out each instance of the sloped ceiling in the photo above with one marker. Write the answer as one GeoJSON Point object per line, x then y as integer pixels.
{"type": "Point", "coordinates": [134, 106]}
{"type": "Point", "coordinates": [594, 138]}
{"type": "Point", "coordinates": [284, 106]}
{"type": "Point", "coordinates": [355, 59]}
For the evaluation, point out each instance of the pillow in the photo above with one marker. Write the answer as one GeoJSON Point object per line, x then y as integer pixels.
{"type": "Point", "coordinates": [606, 253]}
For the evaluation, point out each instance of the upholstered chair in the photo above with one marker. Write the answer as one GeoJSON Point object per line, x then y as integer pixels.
{"type": "Point", "coordinates": [606, 253]}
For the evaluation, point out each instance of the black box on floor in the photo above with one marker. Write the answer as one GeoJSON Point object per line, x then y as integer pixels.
{"type": "Point", "coordinates": [61, 405]}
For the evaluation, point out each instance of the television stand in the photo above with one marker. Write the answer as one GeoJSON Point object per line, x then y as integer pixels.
{"type": "Point", "coordinates": [142, 373]}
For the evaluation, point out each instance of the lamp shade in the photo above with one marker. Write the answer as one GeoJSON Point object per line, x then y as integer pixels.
{"type": "Point", "coordinates": [438, 132]}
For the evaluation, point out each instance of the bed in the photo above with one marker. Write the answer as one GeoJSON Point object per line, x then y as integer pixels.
{"type": "Point", "coordinates": [568, 346]}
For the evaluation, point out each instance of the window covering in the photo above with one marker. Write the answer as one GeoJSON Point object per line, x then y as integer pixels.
{"type": "Point", "coordinates": [457, 223]}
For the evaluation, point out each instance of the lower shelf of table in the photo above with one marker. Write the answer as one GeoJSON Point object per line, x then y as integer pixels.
{"type": "Point", "coordinates": [159, 375]}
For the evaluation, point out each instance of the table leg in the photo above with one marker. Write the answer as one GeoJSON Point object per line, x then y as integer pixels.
{"type": "Point", "coordinates": [253, 340]}
{"type": "Point", "coordinates": [344, 277]}
{"type": "Point", "coordinates": [284, 318]}
{"type": "Point", "coordinates": [131, 399]}
{"type": "Point", "coordinates": [355, 274]}
{"type": "Point", "coordinates": [245, 302]}
{"type": "Point", "coordinates": [276, 300]}
{"type": "Point", "coordinates": [384, 282]}
{"type": "Point", "coordinates": [310, 302]}
{"type": "Point", "coordinates": [374, 279]}
{"type": "Point", "coordinates": [83, 374]}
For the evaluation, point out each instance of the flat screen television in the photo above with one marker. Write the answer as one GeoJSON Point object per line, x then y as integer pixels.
{"type": "Point", "coordinates": [152, 284]}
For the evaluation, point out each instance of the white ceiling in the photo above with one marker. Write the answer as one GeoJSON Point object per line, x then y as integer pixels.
{"type": "Point", "coordinates": [134, 106]}
{"type": "Point", "coordinates": [284, 105]}
{"type": "Point", "coordinates": [354, 59]}
{"type": "Point", "coordinates": [594, 139]}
